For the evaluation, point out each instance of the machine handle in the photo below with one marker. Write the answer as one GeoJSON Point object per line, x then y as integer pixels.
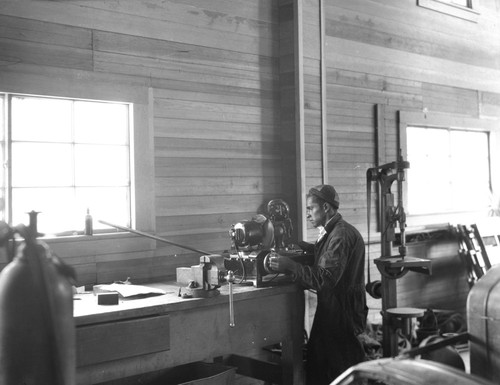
{"type": "Point", "coordinates": [230, 280]}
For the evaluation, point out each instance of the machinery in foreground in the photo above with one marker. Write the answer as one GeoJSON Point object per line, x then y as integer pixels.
{"type": "Point", "coordinates": [37, 332]}
{"type": "Point", "coordinates": [394, 371]}
{"type": "Point", "coordinates": [483, 309]}
{"type": "Point", "coordinates": [483, 319]}
{"type": "Point", "coordinates": [391, 266]}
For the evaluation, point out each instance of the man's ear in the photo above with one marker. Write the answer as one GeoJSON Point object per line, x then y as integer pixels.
{"type": "Point", "coordinates": [328, 207]}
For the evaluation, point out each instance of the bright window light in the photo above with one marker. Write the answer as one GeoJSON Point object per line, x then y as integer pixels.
{"type": "Point", "coordinates": [449, 170]}
{"type": "Point", "coordinates": [65, 156]}
{"type": "Point", "coordinates": [463, 3]}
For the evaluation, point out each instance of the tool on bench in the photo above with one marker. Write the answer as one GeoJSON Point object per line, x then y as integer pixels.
{"type": "Point", "coordinates": [202, 280]}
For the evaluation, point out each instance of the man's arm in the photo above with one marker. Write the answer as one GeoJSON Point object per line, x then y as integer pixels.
{"type": "Point", "coordinates": [326, 273]}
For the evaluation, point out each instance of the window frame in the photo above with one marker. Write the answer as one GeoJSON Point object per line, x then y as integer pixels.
{"type": "Point", "coordinates": [469, 13]}
{"type": "Point", "coordinates": [9, 100]}
{"type": "Point", "coordinates": [458, 122]}
{"type": "Point", "coordinates": [101, 87]}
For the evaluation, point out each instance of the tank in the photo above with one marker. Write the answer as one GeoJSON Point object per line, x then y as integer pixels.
{"type": "Point", "coordinates": [37, 332]}
{"type": "Point", "coordinates": [483, 320]}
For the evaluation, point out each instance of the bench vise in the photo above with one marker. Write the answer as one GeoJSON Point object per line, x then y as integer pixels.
{"type": "Point", "coordinates": [203, 280]}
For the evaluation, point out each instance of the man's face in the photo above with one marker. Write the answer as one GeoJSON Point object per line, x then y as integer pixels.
{"type": "Point", "coordinates": [315, 213]}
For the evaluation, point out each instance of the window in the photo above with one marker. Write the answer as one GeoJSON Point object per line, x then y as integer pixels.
{"type": "Point", "coordinates": [462, 9]}
{"type": "Point", "coordinates": [454, 167]}
{"type": "Point", "coordinates": [449, 170]}
{"type": "Point", "coordinates": [463, 3]}
{"type": "Point", "coordinates": [62, 157]}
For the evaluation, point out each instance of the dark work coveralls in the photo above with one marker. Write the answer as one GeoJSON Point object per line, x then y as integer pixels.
{"type": "Point", "coordinates": [338, 278]}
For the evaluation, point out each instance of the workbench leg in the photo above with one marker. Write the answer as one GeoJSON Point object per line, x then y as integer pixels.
{"type": "Point", "coordinates": [293, 346]}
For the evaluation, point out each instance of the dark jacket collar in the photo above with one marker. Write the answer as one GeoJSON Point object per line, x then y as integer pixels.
{"type": "Point", "coordinates": [328, 229]}
{"type": "Point", "coordinates": [332, 222]}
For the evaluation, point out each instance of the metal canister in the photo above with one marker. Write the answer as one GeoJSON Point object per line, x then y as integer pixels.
{"type": "Point", "coordinates": [37, 332]}
{"type": "Point", "coordinates": [483, 320]}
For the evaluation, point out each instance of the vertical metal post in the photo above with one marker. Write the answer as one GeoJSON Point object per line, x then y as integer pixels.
{"type": "Point", "coordinates": [389, 297]}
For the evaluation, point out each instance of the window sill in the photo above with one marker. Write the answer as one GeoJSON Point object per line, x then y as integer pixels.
{"type": "Point", "coordinates": [80, 237]}
{"type": "Point", "coordinates": [98, 244]}
{"type": "Point", "coordinates": [424, 234]}
{"type": "Point", "coordinates": [469, 14]}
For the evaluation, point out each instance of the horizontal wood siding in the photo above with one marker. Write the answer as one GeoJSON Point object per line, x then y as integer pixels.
{"type": "Point", "coordinates": [313, 103]}
{"type": "Point", "coordinates": [403, 57]}
{"type": "Point", "coordinates": [223, 82]}
{"type": "Point", "coordinates": [212, 68]}
{"type": "Point", "coordinates": [289, 108]}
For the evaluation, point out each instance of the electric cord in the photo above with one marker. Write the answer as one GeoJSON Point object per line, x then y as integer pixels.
{"type": "Point", "coordinates": [243, 269]}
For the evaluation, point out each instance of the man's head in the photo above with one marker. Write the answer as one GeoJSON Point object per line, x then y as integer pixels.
{"type": "Point", "coordinates": [322, 204]}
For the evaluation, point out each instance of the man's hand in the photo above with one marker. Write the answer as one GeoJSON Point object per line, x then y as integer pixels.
{"type": "Point", "coordinates": [282, 264]}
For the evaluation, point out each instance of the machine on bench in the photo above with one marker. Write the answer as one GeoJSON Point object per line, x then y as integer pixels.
{"type": "Point", "coordinates": [253, 241]}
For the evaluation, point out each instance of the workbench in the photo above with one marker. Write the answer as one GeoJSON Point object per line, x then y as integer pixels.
{"type": "Point", "coordinates": [143, 335]}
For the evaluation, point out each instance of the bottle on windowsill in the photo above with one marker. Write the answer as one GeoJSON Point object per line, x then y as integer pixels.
{"type": "Point", "coordinates": [88, 224]}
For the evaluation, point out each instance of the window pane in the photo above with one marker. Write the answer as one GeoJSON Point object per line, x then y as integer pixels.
{"type": "Point", "coordinates": [2, 180]}
{"type": "Point", "coordinates": [56, 207]}
{"type": "Point", "coordinates": [63, 210]}
{"type": "Point", "coordinates": [38, 119]}
{"type": "Point", "coordinates": [101, 165]}
{"type": "Point", "coordinates": [2, 157]}
{"type": "Point", "coordinates": [463, 3]}
{"type": "Point", "coordinates": [41, 164]}
{"type": "Point", "coordinates": [470, 178]}
{"type": "Point", "coordinates": [2, 117]}
{"type": "Point", "coordinates": [449, 170]}
{"type": "Point", "coordinates": [101, 123]}
{"type": "Point", "coordinates": [428, 149]}
{"type": "Point", "coordinates": [431, 142]}
{"type": "Point", "coordinates": [67, 156]}
{"type": "Point", "coordinates": [111, 204]}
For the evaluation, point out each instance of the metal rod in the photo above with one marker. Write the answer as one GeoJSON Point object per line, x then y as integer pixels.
{"type": "Point", "coordinates": [154, 237]}
{"type": "Point", "coordinates": [230, 280]}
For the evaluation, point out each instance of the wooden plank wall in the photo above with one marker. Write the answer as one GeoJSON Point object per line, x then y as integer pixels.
{"type": "Point", "coordinates": [402, 57]}
{"type": "Point", "coordinates": [313, 102]}
{"type": "Point", "coordinates": [289, 105]}
{"type": "Point", "coordinates": [218, 100]}
{"type": "Point", "coordinates": [212, 68]}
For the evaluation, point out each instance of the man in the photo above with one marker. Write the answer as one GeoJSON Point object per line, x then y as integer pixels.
{"type": "Point", "coordinates": [337, 276]}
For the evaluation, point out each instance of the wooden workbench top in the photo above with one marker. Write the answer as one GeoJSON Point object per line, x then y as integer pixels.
{"type": "Point", "coordinates": [87, 311]}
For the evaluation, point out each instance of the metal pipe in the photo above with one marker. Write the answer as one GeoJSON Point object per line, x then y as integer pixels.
{"type": "Point", "coordinates": [155, 237]}
{"type": "Point", "coordinates": [230, 280]}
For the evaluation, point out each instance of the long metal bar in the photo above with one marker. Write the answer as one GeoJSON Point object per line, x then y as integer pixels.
{"type": "Point", "coordinates": [230, 280]}
{"type": "Point", "coordinates": [154, 237]}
